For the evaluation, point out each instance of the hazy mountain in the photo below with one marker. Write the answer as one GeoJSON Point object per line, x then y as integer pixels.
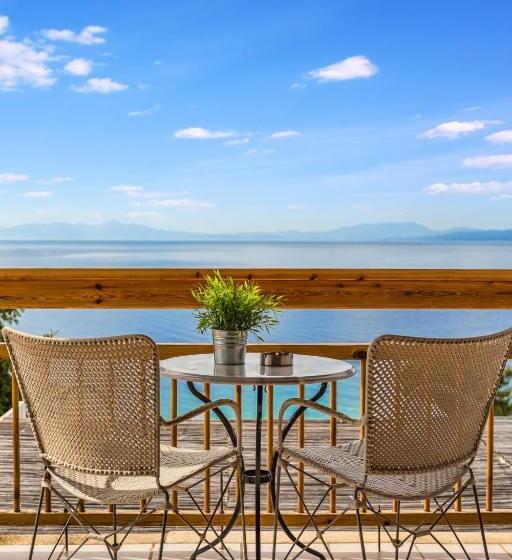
{"type": "Point", "coordinates": [119, 231]}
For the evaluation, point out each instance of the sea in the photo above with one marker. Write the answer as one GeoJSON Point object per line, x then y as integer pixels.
{"type": "Point", "coordinates": [295, 325]}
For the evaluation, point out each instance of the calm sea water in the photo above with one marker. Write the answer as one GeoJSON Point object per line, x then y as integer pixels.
{"type": "Point", "coordinates": [295, 326]}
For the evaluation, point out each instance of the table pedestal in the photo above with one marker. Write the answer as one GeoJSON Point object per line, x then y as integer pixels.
{"type": "Point", "coordinates": [259, 476]}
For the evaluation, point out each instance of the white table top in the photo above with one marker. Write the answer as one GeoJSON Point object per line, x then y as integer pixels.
{"type": "Point", "coordinates": [200, 368]}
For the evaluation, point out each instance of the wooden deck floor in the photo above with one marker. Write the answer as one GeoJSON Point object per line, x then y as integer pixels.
{"type": "Point", "coordinates": [191, 435]}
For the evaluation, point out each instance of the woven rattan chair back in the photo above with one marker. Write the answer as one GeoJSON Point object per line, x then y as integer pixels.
{"type": "Point", "coordinates": [93, 403]}
{"type": "Point", "coordinates": [427, 400]}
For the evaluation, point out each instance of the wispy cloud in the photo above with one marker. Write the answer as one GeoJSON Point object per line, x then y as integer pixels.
{"type": "Point", "coordinates": [100, 85]}
{"type": "Point", "coordinates": [54, 180]}
{"type": "Point", "coordinates": [185, 203]}
{"type": "Point", "coordinates": [284, 134]}
{"type": "Point", "coordinates": [501, 137]}
{"type": "Point", "coordinates": [455, 129]}
{"type": "Point", "coordinates": [126, 188]}
{"type": "Point", "coordinates": [297, 85]}
{"type": "Point", "coordinates": [79, 67]}
{"type": "Point", "coordinates": [22, 64]}
{"type": "Point", "coordinates": [483, 162]}
{"type": "Point", "coordinates": [144, 112]}
{"type": "Point", "coordinates": [258, 152]}
{"type": "Point", "coordinates": [4, 24]}
{"type": "Point", "coordinates": [90, 35]}
{"type": "Point", "coordinates": [13, 177]}
{"type": "Point", "coordinates": [350, 68]}
{"type": "Point", "coordinates": [475, 187]}
{"type": "Point", "coordinates": [37, 194]}
{"type": "Point", "coordinates": [471, 109]}
{"type": "Point", "coordinates": [238, 142]}
{"type": "Point", "coordinates": [198, 133]}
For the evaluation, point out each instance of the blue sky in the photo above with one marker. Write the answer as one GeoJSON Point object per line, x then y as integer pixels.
{"type": "Point", "coordinates": [226, 116]}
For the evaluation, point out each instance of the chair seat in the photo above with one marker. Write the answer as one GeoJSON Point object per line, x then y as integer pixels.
{"type": "Point", "coordinates": [346, 463]}
{"type": "Point", "coordinates": [176, 465]}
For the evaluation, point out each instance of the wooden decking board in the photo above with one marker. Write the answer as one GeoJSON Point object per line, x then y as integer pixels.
{"type": "Point", "coordinates": [191, 435]}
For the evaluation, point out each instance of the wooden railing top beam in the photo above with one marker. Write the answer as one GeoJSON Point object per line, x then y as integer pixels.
{"type": "Point", "coordinates": [165, 288]}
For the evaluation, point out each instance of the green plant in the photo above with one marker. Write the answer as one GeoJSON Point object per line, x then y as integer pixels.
{"type": "Point", "coordinates": [7, 317]}
{"type": "Point", "coordinates": [503, 403]}
{"type": "Point", "coordinates": [226, 305]}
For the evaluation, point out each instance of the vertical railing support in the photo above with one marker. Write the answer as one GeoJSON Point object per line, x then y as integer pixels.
{"type": "Point", "coordinates": [300, 443]}
{"type": "Point", "coordinates": [489, 483]}
{"type": "Point", "coordinates": [16, 476]}
{"type": "Point", "coordinates": [270, 440]}
{"type": "Point", "coordinates": [174, 429]}
{"type": "Point", "coordinates": [206, 444]}
{"type": "Point", "coordinates": [333, 440]}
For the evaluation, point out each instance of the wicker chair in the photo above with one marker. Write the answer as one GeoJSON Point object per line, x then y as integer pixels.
{"type": "Point", "coordinates": [94, 409]}
{"type": "Point", "coordinates": [427, 402]}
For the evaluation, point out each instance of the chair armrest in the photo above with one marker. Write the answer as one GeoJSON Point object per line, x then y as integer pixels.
{"type": "Point", "coordinates": [205, 408]}
{"type": "Point", "coordinates": [343, 418]}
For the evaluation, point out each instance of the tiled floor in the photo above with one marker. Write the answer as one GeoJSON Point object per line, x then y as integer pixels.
{"type": "Point", "coordinates": [348, 551]}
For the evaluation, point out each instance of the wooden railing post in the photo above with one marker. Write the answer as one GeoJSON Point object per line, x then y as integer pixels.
{"type": "Point", "coordinates": [489, 483]}
{"type": "Point", "coordinates": [15, 398]}
{"type": "Point", "coordinates": [206, 442]}
{"type": "Point", "coordinates": [333, 398]}
{"type": "Point", "coordinates": [270, 440]}
{"type": "Point", "coordinates": [300, 443]}
{"type": "Point", "coordinates": [174, 429]}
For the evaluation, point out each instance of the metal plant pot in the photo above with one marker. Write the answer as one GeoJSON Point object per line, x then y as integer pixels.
{"type": "Point", "coordinates": [229, 347]}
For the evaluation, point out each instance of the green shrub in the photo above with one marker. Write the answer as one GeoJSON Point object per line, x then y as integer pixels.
{"type": "Point", "coordinates": [7, 317]}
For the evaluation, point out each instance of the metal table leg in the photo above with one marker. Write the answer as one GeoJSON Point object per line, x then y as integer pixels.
{"type": "Point", "coordinates": [296, 415]}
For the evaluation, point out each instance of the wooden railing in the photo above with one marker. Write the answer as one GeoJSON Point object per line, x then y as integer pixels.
{"type": "Point", "coordinates": [302, 289]}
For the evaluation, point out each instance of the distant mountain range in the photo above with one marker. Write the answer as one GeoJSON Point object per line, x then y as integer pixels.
{"type": "Point", "coordinates": [369, 233]}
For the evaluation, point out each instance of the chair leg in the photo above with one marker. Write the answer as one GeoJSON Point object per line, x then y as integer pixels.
{"type": "Point", "coordinates": [164, 527]}
{"type": "Point", "coordinates": [480, 521]}
{"type": "Point", "coordinates": [114, 527]}
{"type": "Point", "coordinates": [276, 510]}
{"type": "Point", "coordinates": [397, 534]}
{"type": "Point", "coordinates": [36, 525]}
{"type": "Point", "coordinates": [359, 525]}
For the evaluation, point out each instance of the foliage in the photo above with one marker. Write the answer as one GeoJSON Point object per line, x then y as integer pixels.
{"type": "Point", "coordinates": [7, 317]}
{"type": "Point", "coordinates": [228, 306]}
{"type": "Point", "coordinates": [503, 403]}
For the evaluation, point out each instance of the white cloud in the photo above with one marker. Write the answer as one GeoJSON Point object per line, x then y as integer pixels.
{"type": "Point", "coordinates": [284, 134]}
{"type": "Point", "coordinates": [258, 152]}
{"type": "Point", "coordinates": [471, 109]}
{"type": "Point", "coordinates": [4, 24]}
{"type": "Point", "coordinates": [475, 187]}
{"type": "Point", "coordinates": [79, 67]}
{"type": "Point", "coordinates": [126, 188]}
{"type": "Point", "coordinates": [54, 180]}
{"type": "Point", "coordinates": [90, 35]}
{"type": "Point", "coordinates": [100, 85]}
{"type": "Point", "coordinates": [13, 177]}
{"type": "Point", "coordinates": [454, 129]}
{"type": "Point", "coordinates": [239, 142]}
{"type": "Point", "coordinates": [23, 65]}
{"type": "Point", "coordinates": [143, 215]}
{"type": "Point", "coordinates": [483, 162]}
{"type": "Point", "coordinates": [298, 85]}
{"type": "Point", "coordinates": [350, 68]}
{"type": "Point", "coordinates": [186, 203]}
{"type": "Point", "coordinates": [144, 112]}
{"type": "Point", "coordinates": [198, 133]}
{"type": "Point", "coordinates": [501, 137]}
{"type": "Point", "coordinates": [296, 207]}
{"type": "Point", "coordinates": [37, 194]}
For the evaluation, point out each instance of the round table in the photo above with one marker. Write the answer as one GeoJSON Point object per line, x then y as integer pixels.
{"type": "Point", "coordinates": [201, 368]}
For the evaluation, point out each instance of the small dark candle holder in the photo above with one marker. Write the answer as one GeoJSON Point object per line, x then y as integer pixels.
{"type": "Point", "coordinates": [276, 359]}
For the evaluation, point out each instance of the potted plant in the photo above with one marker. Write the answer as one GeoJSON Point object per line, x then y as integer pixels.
{"type": "Point", "coordinates": [232, 311]}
